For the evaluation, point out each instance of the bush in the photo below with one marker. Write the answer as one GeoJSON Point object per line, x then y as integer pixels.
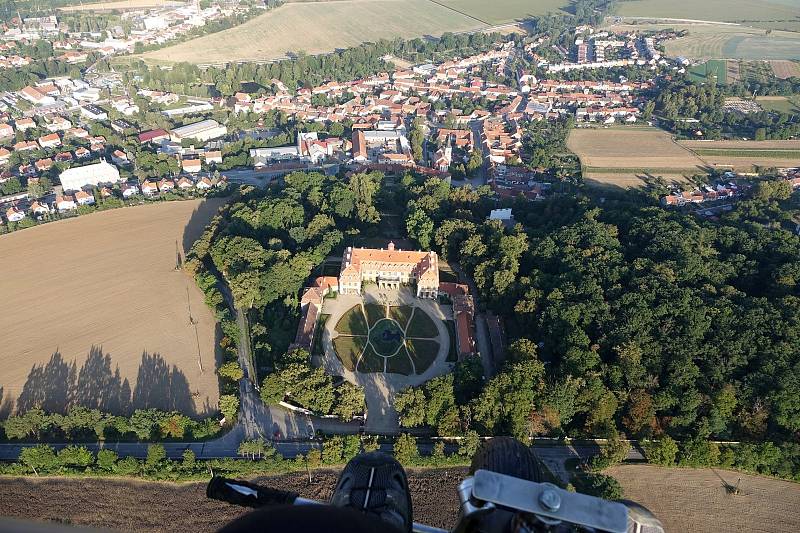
{"type": "Point", "coordinates": [75, 456]}
{"type": "Point", "coordinates": [662, 451]}
{"type": "Point", "coordinates": [333, 450]}
{"type": "Point", "coordinates": [107, 459]}
{"type": "Point", "coordinates": [127, 467]}
{"type": "Point", "coordinates": [189, 459]}
{"type": "Point", "coordinates": [155, 454]}
{"type": "Point", "coordinates": [40, 458]}
{"type": "Point", "coordinates": [599, 485]}
{"type": "Point", "coordinates": [698, 452]}
{"type": "Point", "coordinates": [229, 406]}
{"type": "Point", "coordinates": [469, 444]}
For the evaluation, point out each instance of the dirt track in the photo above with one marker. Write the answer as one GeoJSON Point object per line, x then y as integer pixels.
{"type": "Point", "coordinates": [95, 313]}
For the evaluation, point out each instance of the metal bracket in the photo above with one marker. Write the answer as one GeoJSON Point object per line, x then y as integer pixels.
{"type": "Point", "coordinates": [547, 500]}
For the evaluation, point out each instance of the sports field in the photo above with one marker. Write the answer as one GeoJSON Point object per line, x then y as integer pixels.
{"type": "Point", "coordinates": [119, 5]}
{"type": "Point", "coordinates": [95, 313]}
{"type": "Point", "coordinates": [745, 155]}
{"type": "Point", "coordinates": [318, 27]}
{"type": "Point", "coordinates": [694, 499]}
{"type": "Point", "coordinates": [619, 156]}
{"type": "Point", "coordinates": [716, 69]}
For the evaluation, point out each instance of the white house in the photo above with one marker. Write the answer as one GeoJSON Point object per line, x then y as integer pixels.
{"type": "Point", "coordinates": [149, 188]}
{"type": "Point", "coordinates": [74, 179]}
{"type": "Point", "coordinates": [14, 215]}
{"type": "Point", "coordinates": [204, 184]}
{"type": "Point", "coordinates": [65, 203]}
{"type": "Point", "coordinates": [129, 190]}
{"type": "Point", "coordinates": [84, 198]}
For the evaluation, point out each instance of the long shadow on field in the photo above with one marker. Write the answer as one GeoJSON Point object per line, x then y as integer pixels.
{"type": "Point", "coordinates": [199, 220]}
{"type": "Point", "coordinates": [58, 385]}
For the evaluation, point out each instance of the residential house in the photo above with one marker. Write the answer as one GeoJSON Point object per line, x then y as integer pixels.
{"type": "Point", "coordinates": [120, 158]}
{"type": "Point", "coordinates": [213, 156]}
{"type": "Point", "coordinates": [129, 189]}
{"type": "Point", "coordinates": [166, 185]}
{"type": "Point", "coordinates": [25, 124]}
{"type": "Point", "coordinates": [204, 184]}
{"type": "Point", "coordinates": [50, 141]}
{"type": "Point", "coordinates": [185, 183]}
{"type": "Point", "coordinates": [65, 203]}
{"type": "Point", "coordinates": [149, 188]}
{"type": "Point", "coordinates": [13, 214]}
{"type": "Point", "coordinates": [26, 145]}
{"type": "Point", "coordinates": [39, 209]}
{"type": "Point", "coordinates": [6, 130]}
{"type": "Point", "coordinates": [191, 165]}
{"type": "Point", "coordinates": [84, 198]}
{"type": "Point", "coordinates": [5, 155]}
{"type": "Point", "coordinates": [82, 153]}
{"type": "Point", "coordinates": [43, 165]}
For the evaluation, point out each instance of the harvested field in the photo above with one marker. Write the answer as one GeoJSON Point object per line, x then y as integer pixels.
{"type": "Point", "coordinates": [506, 11]}
{"type": "Point", "coordinates": [784, 69]}
{"type": "Point", "coordinates": [101, 316]}
{"type": "Point", "coordinates": [695, 499]}
{"type": "Point", "coordinates": [148, 506]}
{"type": "Point", "coordinates": [120, 5]}
{"type": "Point", "coordinates": [619, 156]}
{"type": "Point", "coordinates": [732, 75]}
{"type": "Point", "coordinates": [314, 29]}
{"type": "Point", "coordinates": [760, 13]}
{"type": "Point", "coordinates": [743, 156]}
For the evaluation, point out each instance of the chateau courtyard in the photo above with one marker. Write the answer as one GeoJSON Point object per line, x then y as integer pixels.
{"type": "Point", "coordinates": [385, 340]}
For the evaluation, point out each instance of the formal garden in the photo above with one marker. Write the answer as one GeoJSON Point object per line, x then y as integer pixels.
{"type": "Point", "coordinates": [373, 337]}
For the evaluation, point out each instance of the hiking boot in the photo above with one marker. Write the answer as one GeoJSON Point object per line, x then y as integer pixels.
{"type": "Point", "coordinates": [375, 483]}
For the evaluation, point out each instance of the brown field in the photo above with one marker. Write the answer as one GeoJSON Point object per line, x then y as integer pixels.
{"type": "Point", "coordinates": [743, 156]}
{"type": "Point", "coordinates": [119, 5]}
{"type": "Point", "coordinates": [619, 155]}
{"type": "Point", "coordinates": [143, 506]}
{"type": "Point", "coordinates": [96, 314]}
{"type": "Point", "coordinates": [317, 27]}
{"type": "Point", "coordinates": [785, 69]}
{"type": "Point", "coordinates": [733, 73]}
{"type": "Point", "coordinates": [695, 499]}
{"type": "Point", "coordinates": [684, 499]}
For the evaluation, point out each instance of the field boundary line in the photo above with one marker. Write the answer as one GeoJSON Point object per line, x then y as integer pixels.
{"type": "Point", "coordinates": [459, 12]}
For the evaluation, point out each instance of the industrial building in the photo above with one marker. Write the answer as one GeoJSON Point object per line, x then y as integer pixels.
{"type": "Point", "coordinates": [200, 131]}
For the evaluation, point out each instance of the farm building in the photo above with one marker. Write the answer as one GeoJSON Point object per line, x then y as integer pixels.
{"type": "Point", "coordinates": [74, 179]}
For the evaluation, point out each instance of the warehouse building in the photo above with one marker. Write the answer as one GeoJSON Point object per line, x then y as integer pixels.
{"type": "Point", "coordinates": [200, 131]}
{"type": "Point", "coordinates": [74, 179]}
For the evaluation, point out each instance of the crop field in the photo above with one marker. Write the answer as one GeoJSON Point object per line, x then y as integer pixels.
{"type": "Point", "coordinates": [318, 27]}
{"type": "Point", "coordinates": [126, 505]}
{"type": "Point", "coordinates": [505, 10]}
{"type": "Point", "coordinates": [784, 69]}
{"type": "Point", "coordinates": [119, 5]}
{"type": "Point", "coordinates": [96, 313]}
{"type": "Point", "coordinates": [619, 156]}
{"type": "Point", "coordinates": [759, 13]}
{"type": "Point", "coordinates": [720, 41]}
{"type": "Point", "coordinates": [745, 155]}
{"type": "Point", "coordinates": [781, 104]}
{"type": "Point", "coordinates": [689, 499]}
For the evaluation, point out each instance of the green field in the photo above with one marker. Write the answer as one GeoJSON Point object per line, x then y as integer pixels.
{"type": "Point", "coordinates": [780, 104]}
{"type": "Point", "coordinates": [758, 13]}
{"type": "Point", "coordinates": [505, 10]}
{"type": "Point", "coordinates": [704, 72]}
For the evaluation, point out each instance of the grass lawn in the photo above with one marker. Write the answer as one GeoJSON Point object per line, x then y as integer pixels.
{"type": "Point", "coordinates": [370, 361]}
{"type": "Point", "coordinates": [401, 314]}
{"type": "Point", "coordinates": [452, 353]}
{"type": "Point", "coordinates": [423, 352]}
{"type": "Point", "coordinates": [780, 104]}
{"type": "Point", "coordinates": [348, 349]}
{"type": "Point", "coordinates": [374, 312]}
{"type": "Point", "coordinates": [422, 325]}
{"type": "Point", "coordinates": [352, 322]}
{"type": "Point", "coordinates": [713, 68]}
{"type": "Point", "coordinates": [399, 364]}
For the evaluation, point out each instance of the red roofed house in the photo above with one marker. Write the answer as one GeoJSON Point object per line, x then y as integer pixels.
{"type": "Point", "coordinates": [13, 214]}
{"type": "Point", "coordinates": [389, 269]}
{"type": "Point", "coordinates": [310, 306]}
{"type": "Point", "coordinates": [464, 313]}
{"type": "Point", "coordinates": [191, 165]}
{"type": "Point", "coordinates": [50, 141]}
{"type": "Point", "coordinates": [153, 136]}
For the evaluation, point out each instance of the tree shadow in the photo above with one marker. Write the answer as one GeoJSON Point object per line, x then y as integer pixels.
{"type": "Point", "coordinates": [199, 220]}
{"type": "Point", "coordinates": [58, 385]}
